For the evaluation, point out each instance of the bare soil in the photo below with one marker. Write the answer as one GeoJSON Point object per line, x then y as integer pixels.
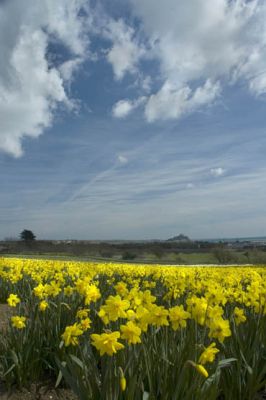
{"type": "Point", "coordinates": [38, 392]}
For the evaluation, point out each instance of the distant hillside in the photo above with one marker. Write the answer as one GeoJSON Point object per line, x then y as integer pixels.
{"type": "Point", "coordinates": [179, 238]}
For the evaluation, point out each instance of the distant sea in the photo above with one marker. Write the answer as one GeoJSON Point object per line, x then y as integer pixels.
{"type": "Point", "coordinates": [256, 239]}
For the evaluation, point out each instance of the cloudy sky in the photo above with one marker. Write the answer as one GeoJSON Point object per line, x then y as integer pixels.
{"type": "Point", "coordinates": [133, 119]}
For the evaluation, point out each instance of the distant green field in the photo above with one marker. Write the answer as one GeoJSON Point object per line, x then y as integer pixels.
{"type": "Point", "coordinates": [150, 258]}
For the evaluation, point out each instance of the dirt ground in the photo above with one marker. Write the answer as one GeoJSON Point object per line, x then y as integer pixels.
{"type": "Point", "coordinates": [38, 393]}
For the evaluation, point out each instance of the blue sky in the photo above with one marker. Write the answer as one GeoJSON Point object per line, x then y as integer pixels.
{"type": "Point", "coordinates": [139, 121]}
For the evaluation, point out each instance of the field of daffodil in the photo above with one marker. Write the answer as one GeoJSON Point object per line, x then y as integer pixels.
{"type": "Point", "coordinates": [136, 332]}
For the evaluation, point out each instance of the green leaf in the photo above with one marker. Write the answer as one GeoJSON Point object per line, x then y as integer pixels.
{"type": "Point", "coordinates": [59, 378]}
{"type": "Point", "coordinates": [226, 362]}
{"type": "Point", "coordinates": [68, 376]}
{"type": "Point", "coordinates": [10, 369]}
{"type": "Point", "coordinates": [249, 369]}
{"type": "Point", "coordinates": [14, 357]}
{"type": "Point", "coordinates": [66, 305]}
{"type": "Point", "coordinates": [212, 381]}
{"type": "Point", "coordinates": [77, 361]}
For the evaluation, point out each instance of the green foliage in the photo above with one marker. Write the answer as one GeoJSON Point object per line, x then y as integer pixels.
{"type": "Point", "coordinates": [27, 235]}
{"type": "Point", "coordinates": [159, 368]}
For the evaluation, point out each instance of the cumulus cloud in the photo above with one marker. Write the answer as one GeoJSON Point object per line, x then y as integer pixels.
{"type": "Point", "coordinates": [31, 86]}
{"type": "Point", "coordinates": [170, 102]}
{"type": "Point", "coordinates": [123, 108]}
{"type": "Point", "coordinates": [125, 51]}
{"type": "Point", "coordinates": [196, 48]}
{"type": "Point", "coordinates": [68, 68]}
{"type": "Point", "coordinates": [197, 45]}
{"type": "Point", "coordinates": [146, 83]}
{"type": "Point", "coordinates": [217, 171]}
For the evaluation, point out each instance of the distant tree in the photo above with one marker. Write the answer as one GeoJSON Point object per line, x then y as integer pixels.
{"type": "Point", "coordinates": [27, 236]}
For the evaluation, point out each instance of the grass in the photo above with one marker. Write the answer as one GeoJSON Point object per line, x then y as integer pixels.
{"type": "Point", "coordinates": [148, 258]}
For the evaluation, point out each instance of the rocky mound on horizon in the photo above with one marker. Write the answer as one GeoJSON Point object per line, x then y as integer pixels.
{"type": "Point", "coordinates": [179, 238]}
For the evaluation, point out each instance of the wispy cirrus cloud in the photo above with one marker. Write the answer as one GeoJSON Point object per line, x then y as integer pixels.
{"type": "Point", "coordinates": [86, 191]}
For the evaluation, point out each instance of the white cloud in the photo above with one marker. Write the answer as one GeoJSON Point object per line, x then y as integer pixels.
{"type": "Point", "coordinates": [167, 103]}
{"type": "Point", "coordinates": [171, 103]}
{"type": "Point", "coordinates": [146, 84]}
{"type": "Point", "coordinates": [199, 46]}
{"type": "Point", "coordinates": [217, 171]}
{"type": "Point", "coordinates": [69, 67]}
{"type": "Point", "coordinates": [200, 38]}
{"type": "Point", "coordinates": [123, 108]}
{"type": "Point", "coordinates": [211, 41]}
{"type": "Point", "coordinates": [205, 94]}
{"type": "Point", "coordinates": [30, 86]}
{"type": "Point", "coordinates": [122, 159]}
{"type": "Point", "coordinates": [125, 51]}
